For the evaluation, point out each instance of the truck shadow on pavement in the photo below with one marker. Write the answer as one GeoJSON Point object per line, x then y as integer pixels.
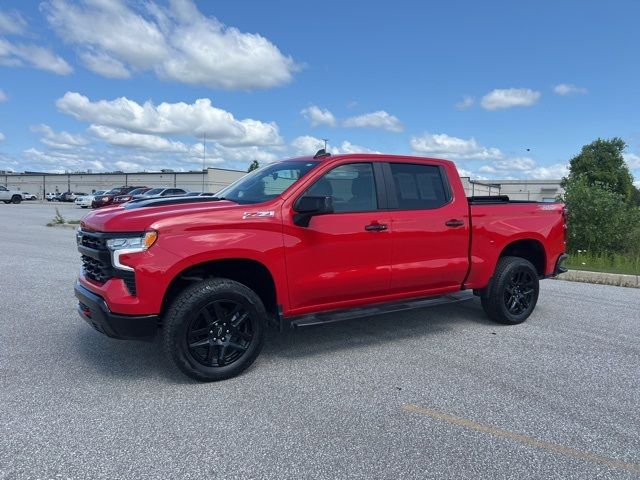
{"type": "Point", "coordinates": [145, 359]}
{"type": "Point", "coordinates": [375, 330]}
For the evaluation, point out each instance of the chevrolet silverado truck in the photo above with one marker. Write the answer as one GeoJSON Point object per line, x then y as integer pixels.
{"type": "Point", "coordinates": [306, 241]}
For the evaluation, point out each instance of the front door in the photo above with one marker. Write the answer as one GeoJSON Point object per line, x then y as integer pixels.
{"type": "Point", "coordinates": [343, 258]}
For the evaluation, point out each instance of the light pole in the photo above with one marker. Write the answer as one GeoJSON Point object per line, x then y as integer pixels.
{"type": "Point", "coordinates": [204, 150]}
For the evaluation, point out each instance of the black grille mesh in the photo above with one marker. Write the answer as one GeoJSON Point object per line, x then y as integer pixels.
{"type": "Point", "coordinates": [102, 270]}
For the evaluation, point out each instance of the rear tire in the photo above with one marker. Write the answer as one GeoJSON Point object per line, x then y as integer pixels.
{"type": "Point", "coordinates": [513, 291]}
{"type": "Point", "coordinates": [16, 199]}
{"type": "Point", "coordinates": [214, 329]}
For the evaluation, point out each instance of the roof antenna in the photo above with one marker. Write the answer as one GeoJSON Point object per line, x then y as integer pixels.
{"type": "Point", "coordinates": [323, 151]}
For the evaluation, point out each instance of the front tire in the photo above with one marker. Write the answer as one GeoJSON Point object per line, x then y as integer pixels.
{"type": "Point", "coordinates": [16, 199]}
{"type": "Point", "coordinates": [513, 291]}
{"type": "Point", "coordinates": [214, 329]}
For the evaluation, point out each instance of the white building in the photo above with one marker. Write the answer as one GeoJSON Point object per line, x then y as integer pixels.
{"type": "Point", "coordinates": [211, 180]}
{"type": "Point", "coordinates": [536, 190]}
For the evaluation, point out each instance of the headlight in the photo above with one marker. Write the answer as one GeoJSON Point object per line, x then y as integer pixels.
{"type": "Point", "coordinates": [120, 246]}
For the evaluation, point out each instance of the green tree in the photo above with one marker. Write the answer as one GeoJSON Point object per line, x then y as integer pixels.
{"type": "Point", "coordinates": [601, 162]}
{"type": "Point", "coordinates": [254, 166]}
{"type": "Point", "coordinates": [600, 219]}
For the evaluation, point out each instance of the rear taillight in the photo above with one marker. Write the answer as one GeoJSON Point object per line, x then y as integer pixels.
{"type": "Point", "coordinates": [565, 216]}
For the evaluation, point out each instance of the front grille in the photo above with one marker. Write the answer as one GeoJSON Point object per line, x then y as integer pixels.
{"type": "Point", "coordinates": [91, 241]}
{"type": "Point", "coordinates": [96, 270]}
{"type": "Point", "coordinates": [96, 261]}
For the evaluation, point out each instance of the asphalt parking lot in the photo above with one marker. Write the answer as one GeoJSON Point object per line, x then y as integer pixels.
{"type": "Point", "coordinates": [434, 393]}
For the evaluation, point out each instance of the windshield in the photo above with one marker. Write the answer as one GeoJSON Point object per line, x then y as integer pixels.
{"type": "Point", "coordinates": [137, 191]}
{"type": "Point", "coordinates": [99, 192]}
{"type": "Point", "coordinates": [114, 191]}
{"type": "Point", "coordinates": [267, 182]}
{"type": "Point", "coordinates": [154, 191]}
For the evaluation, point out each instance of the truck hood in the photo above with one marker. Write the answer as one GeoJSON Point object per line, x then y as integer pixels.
{"type": "Point", "coordinates": [147, 214]}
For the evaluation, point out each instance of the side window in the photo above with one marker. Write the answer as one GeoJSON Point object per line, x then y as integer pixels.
{"type": "Point", "coordinates": [418, 186]}
{"type": "Point", "coordinates": [352, 187]}
{"type": "Point", "coordinates": [2, 189]}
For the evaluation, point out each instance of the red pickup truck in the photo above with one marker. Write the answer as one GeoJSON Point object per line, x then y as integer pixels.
{"type": "Point", "coordinates": [305, 241]}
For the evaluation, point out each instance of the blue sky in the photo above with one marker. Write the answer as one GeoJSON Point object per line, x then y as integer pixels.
{"type": "Point", "coordinates": [506, 89]}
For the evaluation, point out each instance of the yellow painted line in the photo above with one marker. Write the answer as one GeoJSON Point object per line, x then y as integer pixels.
{"type": "Point", "coordinates": [534, 442]}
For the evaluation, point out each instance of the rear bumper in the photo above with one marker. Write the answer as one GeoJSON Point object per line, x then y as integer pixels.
{"type": "Point", "coordinates": [559, 268]}
{"type": "Point", "coordinates": [94, 310]}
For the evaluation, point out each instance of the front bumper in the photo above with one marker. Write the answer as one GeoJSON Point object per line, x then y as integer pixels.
{"type": "Point", "coordinates": [94, 310]}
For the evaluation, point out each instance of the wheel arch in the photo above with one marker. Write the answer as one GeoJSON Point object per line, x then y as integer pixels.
{"type": "Point", "coordinates": [249, 272]}
{"type": "Point", "coordinates": [529, 249]}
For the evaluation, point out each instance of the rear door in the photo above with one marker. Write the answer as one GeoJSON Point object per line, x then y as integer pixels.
{"type": "Point", "coordinates": [343, 258]}
{"type": "Point", "coordinates": [430, 229]}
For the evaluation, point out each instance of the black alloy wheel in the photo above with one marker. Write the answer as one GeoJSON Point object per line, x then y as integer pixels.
{"type": "Point", "coordinates": [214, 329]}
{"type": "Point", "coordinates": [512, 293]}
{"type": "Point", "coordinates": [518, 291]}
{"type": "Point", "coordinates": [220, 333]}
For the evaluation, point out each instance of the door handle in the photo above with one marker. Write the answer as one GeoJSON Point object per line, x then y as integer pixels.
{"type": "Point", "coordinates": [454, 223]}
{"type": "Point", "coordinates": [375, 227]}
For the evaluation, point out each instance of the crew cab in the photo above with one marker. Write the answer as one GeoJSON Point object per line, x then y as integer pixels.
{"type": "Point", "coordinates": [10, 196]}
{"type": "Point", "coordinates": [306, 241]}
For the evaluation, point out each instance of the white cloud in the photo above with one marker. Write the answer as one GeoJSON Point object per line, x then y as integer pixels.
{"type": "Point", "coordinates": [318, 116]}
{"type": "Point", "coordinates": [180, 118]}
{"type": "Point", "coordinates": [2, 137]}
{"type": "Point", "coordinates": [102, 64]}
{"type": "Point", "coordinates": [61, 140]}
{"type": "Point", "coordinates": [550, 172]}
{"type": "Point", "coordinates": [509, 97]}
{"type": "Point", "coordinates": [3, 96]}
{"type": "Point", "coordinates": [453, 147]}
{"type": "Point", "coordinates": [122, 138]}
{"type": "Point", "coordinates": [633, 160]}
{"type": "Point", "coordinates": [21, 54]}
{"type": "Point", "coordinates": [178, 43]}
{"type": "Point", "coordinates": [520, 164]}
{"type": "Point", "coordinates": [379, 119]}
{"type": "Point", "coordinates": [466, 102]}
{"type": "Point", "coordinates": [568, 89]}
{"type": "Point", "coordinates": [308, 145]}
{"type": "Point", "coordinates": [523, 167]}
{"type": "Point", "coordinates": [348, 147]}
{"type": "Point", "coordinates": [12, 23]}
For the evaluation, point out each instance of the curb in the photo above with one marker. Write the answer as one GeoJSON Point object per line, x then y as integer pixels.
{"type": "Point", "coordinates": [63, 225]}
{"type": "Point", "coordinates": [615, 279]}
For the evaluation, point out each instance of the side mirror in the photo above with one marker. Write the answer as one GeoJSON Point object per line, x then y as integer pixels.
{"type": "Point", "coordinates": [308, 206]}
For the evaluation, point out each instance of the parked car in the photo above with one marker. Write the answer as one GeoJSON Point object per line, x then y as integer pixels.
{"type": "Point", "coordinates": [28, 196]}
{"type": "Point", "coordinates": [10, 196]}
{"type": "Point", "coordinates": [131, 195]}
{"type": "Point", "coordinates": [50, 196]}
{"type": "Point", "coordinates": [107, 198]}
{"type": "Point", "coordinates": [161, 192]}
{"type": "Point", "coordinates": [68, 196]}
{"type": "Point", "coordinates": [86, 200]}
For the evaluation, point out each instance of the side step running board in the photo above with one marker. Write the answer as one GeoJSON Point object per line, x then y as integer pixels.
{"type": "Point", "coordinates": [369, 311]}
